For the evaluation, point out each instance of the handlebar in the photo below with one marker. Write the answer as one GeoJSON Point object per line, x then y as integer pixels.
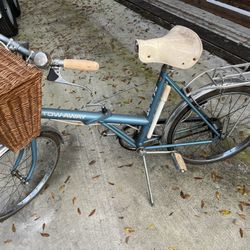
{"type": "Point", "coordinates": [42, 60]}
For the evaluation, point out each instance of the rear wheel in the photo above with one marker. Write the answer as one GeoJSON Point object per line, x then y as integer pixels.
{"type": "Point", "coordinates": [15, 7]}
{"type": "Point", "coordinates": [8, 24]}
{"type": "Point", "coordinates": [228, 110]}
{"type": "Point", "coordinates": [14, 193]}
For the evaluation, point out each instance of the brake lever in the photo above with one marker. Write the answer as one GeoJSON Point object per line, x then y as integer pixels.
{"type": "Point", "coordinates": [55, 76]}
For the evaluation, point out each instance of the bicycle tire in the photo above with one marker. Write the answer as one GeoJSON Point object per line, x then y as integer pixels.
{"type": "Point", "coordinates": [48, 151]}
{"type": "Point", "coordinates": [8, 24]}
{"type": "Point", "coordinates": [15, 7]}
{"type": "Point", "coordinates": [183, 115]}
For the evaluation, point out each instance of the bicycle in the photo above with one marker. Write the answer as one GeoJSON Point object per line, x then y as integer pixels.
{"type": "Point", "coordinates": [211, 123]}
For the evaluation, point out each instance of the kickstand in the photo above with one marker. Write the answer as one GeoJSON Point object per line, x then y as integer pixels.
{"type": "Point", "coordinates": [179, 164]}
{"type": "Point", "coordinates": [151, 200]}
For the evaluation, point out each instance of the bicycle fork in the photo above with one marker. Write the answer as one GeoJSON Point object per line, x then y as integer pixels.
{"type": "Point", "coordinates": [17, 173]}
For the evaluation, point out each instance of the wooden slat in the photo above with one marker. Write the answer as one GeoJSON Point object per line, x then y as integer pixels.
{"type": "Point", "coordinates": [222, 12]}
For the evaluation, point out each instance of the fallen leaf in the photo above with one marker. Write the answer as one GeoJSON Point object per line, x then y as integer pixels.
{"type": "Point", "coordinates": [44, 225]}
{"type": "Point", "coordinates": [13, 228]}
{"type": "Point", "coordinates": [65, 182]}
{"type": "Point", "coordinates": [46, 186]}
{"type": "Point", "coordinates": [244, 203]}
{"type": "Point", "coordinates": [61, 188]}
{"type": "Point", "coordinates": [45, 234]}
{"type": "Point", "coordinates": [126, 165]}
{"type": "Point", "coordinates": [217, 195]}
{"type": "Point", "coordinates": [242, 189]}
{"type": "Point", "coordinates": [184, 196]}
{"type": "Point", "coordinates": [151, 227]}
{"type": "Point", "coordinates": [202, 203]}
{"type": "Point", "coordinates": [241, 207]}
{"type": "Point", "coordinates": [215, 177]}
{"type": "Point", "coordinates": [241, 233]}
{"type": "Point", "coordinates": [198, 178]}
{"type": "Point", "coordinates": [52, 195]}
{"type": "Point", "coordinates": [79, 211]}
{"type": "Point", "coordinates": [96, 177]}
{"type": "Point", "coordinates": [225, 212]}
{"type": "Point", "coordinates": [128, 230]}
{"type": "Point", "coordinates": [111, 183]}
{"type": "Point", "coordinates": [74, 200]}
{"type": "Point", "coordinates": [242, 216]}
{"type": "Point", "coordinates": [92, 162]}
{"type": "Point", "coordinates": [92, 212]}
{"type": "Point", "coordinates": [126, 239]}
{"type": "Point", "coordinates": [7, 241]}
{"type": "Point", "coordinates": [235, 222]}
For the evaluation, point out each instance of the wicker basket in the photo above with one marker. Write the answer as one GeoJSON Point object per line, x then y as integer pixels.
{"type": "Point", "coordinates": [20, 101]}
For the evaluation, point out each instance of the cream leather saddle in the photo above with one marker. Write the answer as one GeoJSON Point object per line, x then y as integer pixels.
{"type": "Point", "coordinates": [180, 48]}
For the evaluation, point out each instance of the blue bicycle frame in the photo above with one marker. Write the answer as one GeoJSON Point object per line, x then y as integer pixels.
{"type": "Point", "coordinates": [110, 120]}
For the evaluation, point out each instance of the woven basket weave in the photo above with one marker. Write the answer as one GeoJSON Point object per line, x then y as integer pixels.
{"type": "Point", "coordinates": [20, 101]}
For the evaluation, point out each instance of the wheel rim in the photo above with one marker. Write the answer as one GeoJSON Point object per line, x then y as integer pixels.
{"type": "Point", "coordinates": [8, 12]}
{"type": "Point", "coordinates": [236, 128]}
{"type": "Point", "coordinates": [14, 194]}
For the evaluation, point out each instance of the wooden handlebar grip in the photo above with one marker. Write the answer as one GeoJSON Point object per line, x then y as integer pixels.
{"type": "Point", "coordinates": [83, 65]}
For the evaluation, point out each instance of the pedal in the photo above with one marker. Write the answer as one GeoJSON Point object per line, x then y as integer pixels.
{"type": "Point", "coordinates": [179, 162]}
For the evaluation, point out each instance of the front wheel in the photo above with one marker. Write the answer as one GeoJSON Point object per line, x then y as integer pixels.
{"type": "Point", "coordinates": [228, 110]}
{"type": "Point", "coordinates": [8, 24]}
{"type": "Point", "coordinates": [14, 192]}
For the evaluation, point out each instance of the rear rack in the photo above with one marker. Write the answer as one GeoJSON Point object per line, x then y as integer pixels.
{"type": "Point", "coordinates": [222, 77]}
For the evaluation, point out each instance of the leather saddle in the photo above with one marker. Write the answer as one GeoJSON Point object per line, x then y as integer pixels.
{"type": "Point", "coordinates": [180, 48]}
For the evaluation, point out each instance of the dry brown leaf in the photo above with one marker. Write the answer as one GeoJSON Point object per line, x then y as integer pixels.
{"type": "Point", "coordinates": [126, 239]}
{"type": "Point", "coordinates": [126, 165]}
{"type": "Point", "coordinates": [218, 195]}
{"type": "Point", "coordinates": [225, 212]}
{"type": "Point", "coordinates": [37, 218]}
{"type": "Point", "coordinates": [241, 207]}
{"type": "Point", "coordinates": [128, 230]}
{"type": "Point", "coordinates": [13, 228]}
{"type": "Point", "coordinates": [52, 195]}
{"type": "Point", "coordinates": [79, 211]}
{"type": "Point", "coordinates": [241, 233]}
{"type": "Point", "coordinates": [61, 188]}
{"type": "Point", "coordinates": [65, 182]}
{"type": "Point", "coordinates": [198, 178]}
{"type": "Point", "coordinates": [235, 222]}
{"type": "Point", "coordinates": [184, 196]}
{"type": "Point", "coordinates": [92, 212]}
{"type": "Point", "coordinates": [96, 177]}
{"type": "Point", "coordinates": [92, 162]}
{"type": "Point", "coordinates": [242, 216]}
{"type": "Point", "coordinates": [7, 241]}
{"type": "Point", "coordinates": [202, 203]}
{"type": "Point", "coordinates": [242, 189]}
{"type": "Point", "coordinates": [74, 200]}
{"type": "Point", "coordinates": [45, 235]}
{"type": "Point", "coordinates": [215, 177]}
{"type": "Point", "coordinates": [244, 203]}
